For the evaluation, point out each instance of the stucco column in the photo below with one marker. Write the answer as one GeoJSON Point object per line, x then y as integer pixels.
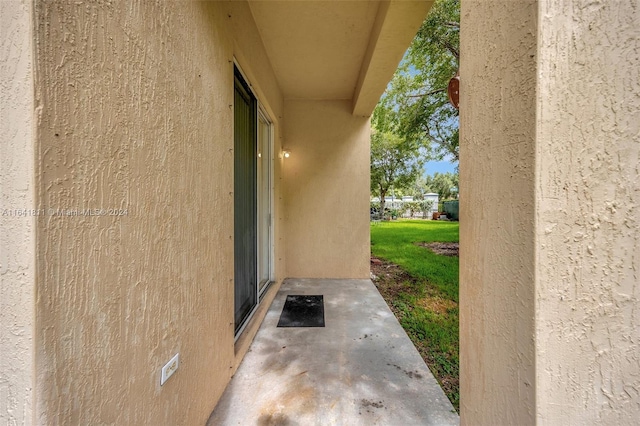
{"type": "Point", "coordinates": [497, 216]}
{"type": "Point", "coordinates": [17, 213]}
{"type": "Point", "coordinates": [550, 226]}
{"type": "Point", "coordinates": [587, 216]}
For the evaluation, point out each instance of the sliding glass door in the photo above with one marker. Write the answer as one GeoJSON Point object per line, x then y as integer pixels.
{"type": "Point", "coordinates": [253, 183]}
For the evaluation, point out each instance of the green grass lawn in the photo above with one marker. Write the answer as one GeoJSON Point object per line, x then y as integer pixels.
{"type": "Point", "coordinates": [422, 291]}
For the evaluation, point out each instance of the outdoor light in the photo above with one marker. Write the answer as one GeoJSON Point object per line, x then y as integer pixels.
{"type": "Point", "coordinates": [286, 153]}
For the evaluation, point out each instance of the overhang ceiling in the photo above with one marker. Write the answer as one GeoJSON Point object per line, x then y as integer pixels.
{"type": "Point", "coordinates": [336, 49]}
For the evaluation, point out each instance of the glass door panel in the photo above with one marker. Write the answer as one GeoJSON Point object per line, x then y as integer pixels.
{"type": "Point", "coordinates": [264, 201]}
{"type": "Point", "coordinates": [245, 202]}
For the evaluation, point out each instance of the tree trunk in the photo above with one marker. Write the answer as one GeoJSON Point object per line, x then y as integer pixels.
{"type": "Point", "coordinates": [382, 194]}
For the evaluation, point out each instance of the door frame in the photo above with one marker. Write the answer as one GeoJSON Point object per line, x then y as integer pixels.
{"type": "Point", "coordinates": [271, 162]}
{"type": "Point", "coordinates": [261, 110]}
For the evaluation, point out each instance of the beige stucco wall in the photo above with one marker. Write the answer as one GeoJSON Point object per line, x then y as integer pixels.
{"type": "Point", "coordinates": [17, 230]}
{"type": "Point", "coordinates": [326, 188]}
{"type": "Point", "coordinates": [136, 115]}
{"type": "Point", "coordinates": [588, 215]}
{"type": "Point", "coordinates": [550, 230]}
{"type": "Point", "coordinates": [497, 212]}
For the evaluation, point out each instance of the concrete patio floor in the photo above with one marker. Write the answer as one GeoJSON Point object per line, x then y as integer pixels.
{"type": "Point", "coordinates": [360, 369]}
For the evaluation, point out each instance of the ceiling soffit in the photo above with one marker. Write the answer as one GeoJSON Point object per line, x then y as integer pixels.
{"type": "Point", "coordinates": [336, 49]}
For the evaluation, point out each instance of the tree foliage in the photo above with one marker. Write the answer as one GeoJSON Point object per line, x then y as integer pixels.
{"type": "Point", "coordinates": [443, 184]}
{"type": "Point", "coordinates": [418, 91]}
{"type": "Point", "coordinates": [396, 161]}
{"type": "Point", "coordinates": [414, 120]}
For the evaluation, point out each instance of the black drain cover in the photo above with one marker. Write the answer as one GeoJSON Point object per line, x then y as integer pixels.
{"type": "Point", "coordinates": [302, 311]}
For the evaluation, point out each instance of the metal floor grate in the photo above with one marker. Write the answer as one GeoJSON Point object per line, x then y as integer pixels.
{"type": "Point", "coordinates": [302, 311]}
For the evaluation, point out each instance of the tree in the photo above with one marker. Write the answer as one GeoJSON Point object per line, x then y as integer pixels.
{"type": "Point", "coordinates": [442, 184]}
{"type": "Point", "coordinates": [419, 188]}
{"type": "Point", "coordinates": [395, 162]}
{"type": "Point", "coordinates": [418, 91]}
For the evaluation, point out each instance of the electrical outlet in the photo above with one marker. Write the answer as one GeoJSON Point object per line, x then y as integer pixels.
{"type": "Point", "coordinates": [170, 368]}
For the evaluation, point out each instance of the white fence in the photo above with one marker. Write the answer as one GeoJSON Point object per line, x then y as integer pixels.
{"type": "Point", "coordinates": [406, 207]}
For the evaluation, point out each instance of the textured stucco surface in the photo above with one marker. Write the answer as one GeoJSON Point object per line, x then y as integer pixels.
{"type": "Point", "coordinates": [326, 184]}
{"type": "Point", "coordinates": [497, 251]}
{"type": "Point", "coordinates": [136, 116]}
{"type": "Point", "coordinates": [123, 136]}
{"type": "Point", "coordinates": [588, 216]}
{"type": "Point", "coordinates": [17, 230]}
{"type": "Point", "coordinates": [550, 233]}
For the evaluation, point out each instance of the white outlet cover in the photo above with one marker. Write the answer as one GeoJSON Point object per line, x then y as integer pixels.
{"type": "Point", "coordinates": [169, 368]}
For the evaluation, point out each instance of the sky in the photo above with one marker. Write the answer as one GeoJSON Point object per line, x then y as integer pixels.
{"type": "Point", "coordinates": [444, 166]}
